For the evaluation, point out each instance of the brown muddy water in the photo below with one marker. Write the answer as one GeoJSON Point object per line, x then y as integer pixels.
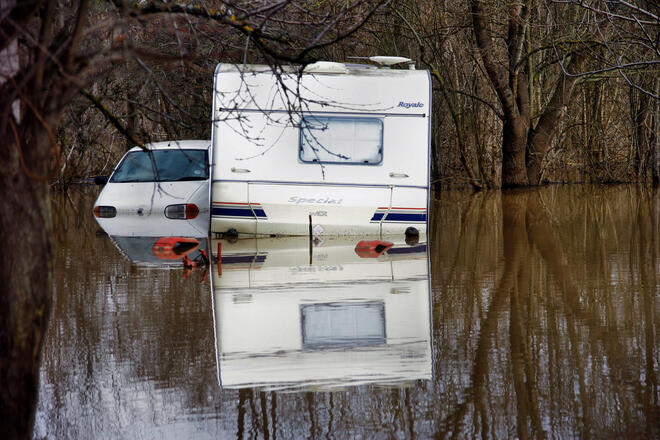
{"type": "Point", "coordinates": [541, 319]}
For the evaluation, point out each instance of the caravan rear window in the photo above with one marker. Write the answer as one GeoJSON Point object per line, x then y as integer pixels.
{"type": "Point", "coordinates": [341, 140]}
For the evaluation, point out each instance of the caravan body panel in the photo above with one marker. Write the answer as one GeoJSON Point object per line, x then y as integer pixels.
{"type": "Point", "coordinates": [333, 149]}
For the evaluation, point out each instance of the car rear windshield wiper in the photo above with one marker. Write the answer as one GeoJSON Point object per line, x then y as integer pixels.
{"type": "Point", "coordinates": [131, 181]}
{"type": "Point", "coordinates": [182, 179]}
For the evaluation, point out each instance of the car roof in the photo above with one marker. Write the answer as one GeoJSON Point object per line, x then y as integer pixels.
{"type": "Point", "coordinates": [176, 145]}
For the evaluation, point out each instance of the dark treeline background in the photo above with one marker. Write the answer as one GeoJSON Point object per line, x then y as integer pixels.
{"type": "Point", "coordinates": [599, 126]}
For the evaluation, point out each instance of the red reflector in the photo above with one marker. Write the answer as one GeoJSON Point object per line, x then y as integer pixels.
{"type": "Point", "coordinates": [372, 249]}
{"type": "Point", "coordinates": [173, 248]}
{"type": "Point", "coordinates": [191, 211]}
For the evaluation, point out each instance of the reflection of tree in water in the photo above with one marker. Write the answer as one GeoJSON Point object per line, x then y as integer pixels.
{"type": "Point", "coordinates": [119, 333]}
{"type": "Point", "coordinates": [579, 360]}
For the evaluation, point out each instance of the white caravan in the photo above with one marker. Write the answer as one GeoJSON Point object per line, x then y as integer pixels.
{"type": "Point", "coordinates": [338, 149]}
{"type": "Point", "coordinates": [290, 315]}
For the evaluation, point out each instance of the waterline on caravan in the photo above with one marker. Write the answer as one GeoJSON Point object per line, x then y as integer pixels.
{"type": "Point", "coordinates": [338, 149]}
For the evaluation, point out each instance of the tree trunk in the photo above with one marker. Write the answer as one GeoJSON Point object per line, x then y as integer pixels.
{"type": "Point", "coordinates": [514, 130]}
{"type": "Point", "coordinates": [541, 136]}
{"type": "Point", "coordinates": [25, 281]}
{"type": "Point", "coordinates": [514, 140]}
{"type": "Point", "coordinates": [641, 108]}
{"type": "Point", "coordinates": [25, 273]}
{"type": "Point", "coordinates": [654, 141]}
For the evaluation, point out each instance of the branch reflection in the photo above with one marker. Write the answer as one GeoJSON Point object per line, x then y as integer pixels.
{"type": "Point", "coordinates": [562, 341]}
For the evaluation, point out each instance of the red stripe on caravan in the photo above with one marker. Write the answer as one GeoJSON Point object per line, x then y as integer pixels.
{"type": "Point", "coordinates": [236, 203]}
{"type": "Point", "coordinates": [398, 207]}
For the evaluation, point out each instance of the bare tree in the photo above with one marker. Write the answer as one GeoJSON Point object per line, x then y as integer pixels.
{"type": "Point", "coordinates": [525, 137]}
{"type": "Point", "coordinates": [628, 33]}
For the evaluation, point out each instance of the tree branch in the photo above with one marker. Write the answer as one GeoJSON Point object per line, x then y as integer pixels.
{"type": "Point", "coordinates": [114, 120]}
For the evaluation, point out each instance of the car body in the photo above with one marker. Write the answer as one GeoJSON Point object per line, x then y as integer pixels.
{"type": "Point", "coordinates": [169, 179]}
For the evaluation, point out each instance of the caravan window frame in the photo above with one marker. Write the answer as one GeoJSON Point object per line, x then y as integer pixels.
{"type": "Point", "coordinates": [340, 324]}
{"type": "Point", "coordinates": [304, 135]}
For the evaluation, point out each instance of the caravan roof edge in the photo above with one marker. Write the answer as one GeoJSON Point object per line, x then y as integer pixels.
{"type": "Point", "coordinates": [352, 69]}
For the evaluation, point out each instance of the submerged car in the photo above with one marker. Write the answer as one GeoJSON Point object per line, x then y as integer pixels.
{"type": "Point", "coordinates": [164, 178]}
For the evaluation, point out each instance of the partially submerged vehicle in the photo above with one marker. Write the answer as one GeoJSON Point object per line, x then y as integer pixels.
{"type": "Point", "coordinates": [335, 149]}
{"type": "Point", "coordinates": [163, 178]}
{"type": "Point", "coordinates": [294, 314]}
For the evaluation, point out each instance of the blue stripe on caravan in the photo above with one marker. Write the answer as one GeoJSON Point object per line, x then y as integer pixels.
{"type": "Point", "coordinates": [405, 217]}
{"type": "Point", "coordinates": [377, 217]}
{"type": "Point", "coordinates": [238, 259]}
{"type": "Point", "coordinates": [242, 259]}
{"type": "Point", "coordinates": [260, 213]}
{"type": "Point", "coordinates": [233, 212]}
{"type": "Point", "coordinates": [407, 250]}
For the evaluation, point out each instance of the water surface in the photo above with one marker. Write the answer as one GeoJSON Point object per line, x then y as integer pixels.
{"type": "Point", "coordinates": [540, 319]}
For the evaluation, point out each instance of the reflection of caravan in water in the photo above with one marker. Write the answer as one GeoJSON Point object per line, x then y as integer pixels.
{"type": "Point", "coordinates": [344, 148]}
{"type": "Point", "coordinates": [289, 317]}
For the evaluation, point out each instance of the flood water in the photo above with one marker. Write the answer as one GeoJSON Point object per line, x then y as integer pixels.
{"type": "Point", "coordinates": [540, 319]}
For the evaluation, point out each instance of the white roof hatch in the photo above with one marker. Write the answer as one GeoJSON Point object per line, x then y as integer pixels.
{"type": "Point", "coordinates": [326, 67]}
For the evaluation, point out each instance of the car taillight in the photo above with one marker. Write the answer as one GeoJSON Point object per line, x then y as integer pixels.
{"type": "Point", "coordinates": [184, 211]}
{"type": "Point", "coordinates": [105, 211]}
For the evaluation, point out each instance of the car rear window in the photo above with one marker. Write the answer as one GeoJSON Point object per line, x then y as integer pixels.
{"type": "Point", "coordinates": [162, 166]}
